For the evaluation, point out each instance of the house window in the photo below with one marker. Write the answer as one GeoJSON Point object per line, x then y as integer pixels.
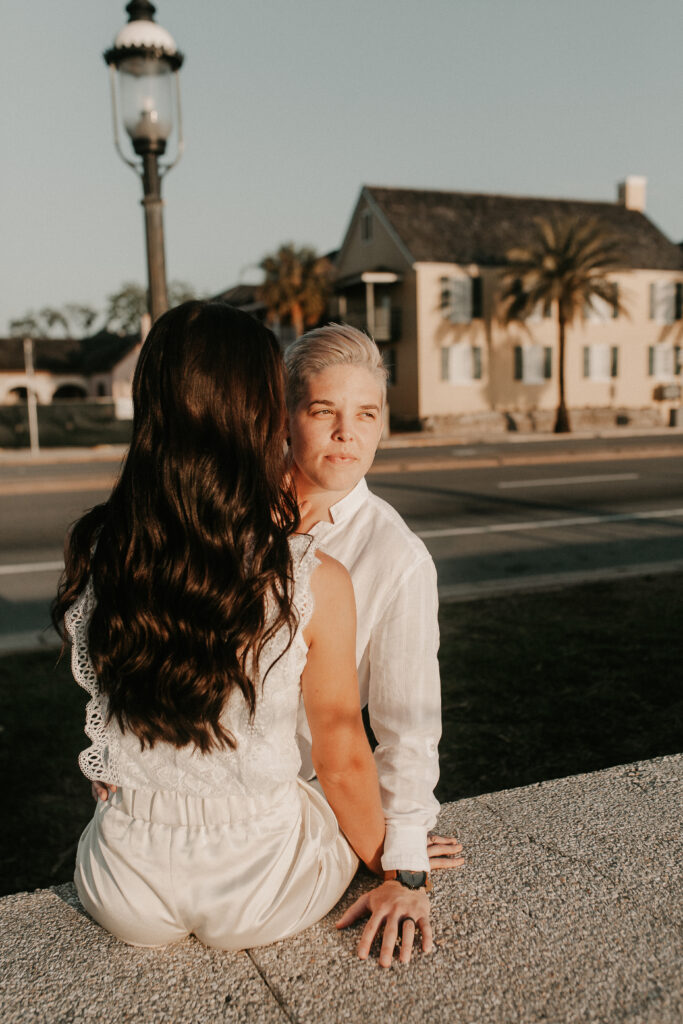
{"type": "Point", "coordinates": [601, 311]}
{"type": "Point", "coordinates": [600, 362]}
{"type": "Point", "coordinates": [664, 361]}
{"type": "Point", "coordinates": [541, 311]}
{"type": "Point", "coordinates": [462, 299]}
{"type": "Point", "coordinates": [533, 363]}
{"type": "Point", "coordinates": [101, 390]}
{"type": "Point", "coordinates": [366, 226]}
{"type": "Point", "coordinates": [666, 301]}
{"type": "Point", "coordinates": [461, 363]}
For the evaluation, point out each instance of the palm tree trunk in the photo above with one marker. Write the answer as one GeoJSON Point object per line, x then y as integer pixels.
{"type": "Point", "coordinates": [562, 418]}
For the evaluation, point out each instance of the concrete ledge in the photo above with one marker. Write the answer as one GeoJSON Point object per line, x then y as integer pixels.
{"type": "Point", "coordinates": [570, 909]}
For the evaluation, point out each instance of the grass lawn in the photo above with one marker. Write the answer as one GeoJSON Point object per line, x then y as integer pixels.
{"type": "Point", "coordinates": [534, 687]}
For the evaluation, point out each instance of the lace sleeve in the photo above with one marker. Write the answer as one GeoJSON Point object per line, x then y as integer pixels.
{"type": "Point", "coordinates": [304, 554]}
{"type": "Point", "coordinates": [97, 761]}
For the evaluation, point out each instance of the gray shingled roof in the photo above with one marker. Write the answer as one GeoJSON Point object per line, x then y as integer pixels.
{"type": "Point", "coordinates": [68, 355]}
{"type": "Point", "coordinates": [469, 227]}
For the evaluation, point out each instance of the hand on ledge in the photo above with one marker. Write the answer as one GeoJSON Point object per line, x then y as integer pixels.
{"type": "Point", "coordinates": [442, 852]}
{"type": "Point", "coordinates": [394, 908]}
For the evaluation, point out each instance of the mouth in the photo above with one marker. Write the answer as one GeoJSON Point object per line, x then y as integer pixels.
{"type": "Point", "coordinates": [340, 460]}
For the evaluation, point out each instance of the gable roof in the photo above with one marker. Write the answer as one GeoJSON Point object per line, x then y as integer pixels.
{"type": "Point", "coordinates": [68, 355]}
{"type": "Point", "coordinates": [471, 227]}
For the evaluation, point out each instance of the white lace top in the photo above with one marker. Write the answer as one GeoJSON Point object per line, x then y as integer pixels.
{"type": "Point", "coordinates": [266, 752]}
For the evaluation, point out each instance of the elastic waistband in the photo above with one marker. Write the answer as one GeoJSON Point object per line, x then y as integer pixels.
{"type": "Point", "coordinates": [168, 808]}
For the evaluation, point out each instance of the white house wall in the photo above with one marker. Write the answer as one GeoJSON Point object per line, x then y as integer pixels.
{"type": "Point", "coordinates": [633, 388]}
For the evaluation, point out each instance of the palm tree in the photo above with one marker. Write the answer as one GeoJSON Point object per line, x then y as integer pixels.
{"type": "Point", "coordinates": [296, 286]}
{"type": "Point", "coordinates": [564, 266]}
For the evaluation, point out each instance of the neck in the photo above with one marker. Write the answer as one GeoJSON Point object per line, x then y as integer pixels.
{"type": "Point", "coordinates": [314, 502]}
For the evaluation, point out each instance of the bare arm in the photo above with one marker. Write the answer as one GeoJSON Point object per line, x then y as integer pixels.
{"type": "Point", "coordinates": [341, 755]}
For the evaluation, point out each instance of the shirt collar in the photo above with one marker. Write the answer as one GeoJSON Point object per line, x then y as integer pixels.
{"type": "Point", "coordinates": [344, 508]}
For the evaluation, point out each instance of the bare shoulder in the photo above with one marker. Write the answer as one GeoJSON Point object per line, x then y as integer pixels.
{"type": "Point", "coordinates": [330, 579]}
{"type": "Point", "coordinates": [334, 605]}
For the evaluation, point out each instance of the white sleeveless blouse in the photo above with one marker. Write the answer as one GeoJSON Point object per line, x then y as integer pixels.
{"type": "Point", "coordinates": [266, 754]}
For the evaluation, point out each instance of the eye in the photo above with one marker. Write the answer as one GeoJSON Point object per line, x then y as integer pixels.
{"type": "Point", "coordinates": [322, 412]}
{"type": "Point", "coordinates": [369, 415]}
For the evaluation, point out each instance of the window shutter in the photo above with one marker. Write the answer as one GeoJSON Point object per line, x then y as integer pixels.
{"type": "Point", "coordinates": [677, 359]}
{"type": "Point", "coordinates": [547, 362]}
{"type": "Point", "coordinates": [679, 301]}
{"type": "Point", "coordinates": [586, 361]}
{"type": "Point", "coordinates": [614, 365]}
{"type": "Point", "coordinates": [461, 308]}
{"type": "Point", "coordinates": [519, 363]}
{"type": "Point", "coordinates": [476, 362]}
{"type": "Point", "coordinates": [650, 360]}
{"type": "Point", "coordinates": [446, 299]}
{"type": "Point", "coordinates": [477, 298]}
{"type": "Point", "coordinates": [445, 363]}
{"type": "Point", "coordinates": [663, 301]}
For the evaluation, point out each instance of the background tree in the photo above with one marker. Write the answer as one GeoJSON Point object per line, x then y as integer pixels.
{"type": "Point", "coordinates": [565, 266]}
{"type": "Point", "coordinates": [70, 321]}
{"type": "Point", "coordinates": [124, 311]}
{"type": "Point", "coordinates": [296, 286]}
{"type": "Point", "coordinates": [127, 306]}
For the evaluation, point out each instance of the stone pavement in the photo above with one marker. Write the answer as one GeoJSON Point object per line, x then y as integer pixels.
{"type": "Point", "coordinates": [570, 909]}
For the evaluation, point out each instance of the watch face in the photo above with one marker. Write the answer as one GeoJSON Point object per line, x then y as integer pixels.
{"type": "Point", "coordinates": [412, 879]}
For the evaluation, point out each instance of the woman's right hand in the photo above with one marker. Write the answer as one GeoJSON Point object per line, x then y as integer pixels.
{"type": "Point", "coordinates": [400, 911]}
{"type": "Point", "coordinates": [101, 790]}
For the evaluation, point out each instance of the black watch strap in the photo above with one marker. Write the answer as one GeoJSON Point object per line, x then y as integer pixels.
{"type": "Point", "coordinates": [410, 879]}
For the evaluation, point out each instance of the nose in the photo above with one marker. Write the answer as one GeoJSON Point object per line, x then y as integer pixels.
{"type": "Point", "coordinates": [343, 430]}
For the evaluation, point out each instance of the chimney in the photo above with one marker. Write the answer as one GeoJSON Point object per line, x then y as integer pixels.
{"type": "Point", "coordinates": [632, 192]}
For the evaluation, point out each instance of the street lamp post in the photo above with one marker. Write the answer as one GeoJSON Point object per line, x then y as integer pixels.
{"type": "Point", "coordinates": [143, 65]}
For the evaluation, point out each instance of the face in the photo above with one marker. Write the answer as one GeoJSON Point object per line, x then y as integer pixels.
{"type": "Point", "coordinates": [335, 429]}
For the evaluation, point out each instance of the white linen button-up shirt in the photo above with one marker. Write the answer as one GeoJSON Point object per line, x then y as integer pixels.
{"type": "Point", "coordinates": [397, 639]}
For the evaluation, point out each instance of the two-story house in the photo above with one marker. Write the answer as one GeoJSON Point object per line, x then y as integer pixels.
{"type": "Point", "coordinates": [420, 270]}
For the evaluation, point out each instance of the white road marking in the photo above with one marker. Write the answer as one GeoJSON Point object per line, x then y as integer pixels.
{"type": "Point", "coordinates": [556, 481]}
{"type": "Point", "coordinates": [26, 567]}
{"type": "Point", "coordinates": [552, 524]}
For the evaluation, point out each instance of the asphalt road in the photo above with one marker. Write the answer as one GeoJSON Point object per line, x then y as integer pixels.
{"type": "Point", "coordinates": [494, 516]}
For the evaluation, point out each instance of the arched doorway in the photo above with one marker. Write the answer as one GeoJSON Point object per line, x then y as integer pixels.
{"type": "Point", "coordinates": [69, 392]}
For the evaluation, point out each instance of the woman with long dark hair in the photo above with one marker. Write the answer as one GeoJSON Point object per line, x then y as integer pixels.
{"type": "Point", "coordinates": [197, 617]}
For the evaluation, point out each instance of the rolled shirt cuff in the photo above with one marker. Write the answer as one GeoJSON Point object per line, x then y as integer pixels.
{"type": "Point", "coordinates": [405, 848]}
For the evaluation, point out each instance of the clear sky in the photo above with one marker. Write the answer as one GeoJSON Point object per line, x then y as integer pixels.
{"type": "Point", "coordinates": [290, 107]}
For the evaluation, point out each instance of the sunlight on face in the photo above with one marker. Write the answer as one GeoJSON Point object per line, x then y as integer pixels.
{"type": "Point", "coordinates": [336, 428]}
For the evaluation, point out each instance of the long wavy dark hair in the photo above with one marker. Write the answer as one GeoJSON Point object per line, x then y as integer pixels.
{"type": "Point", "coordinates": [189, 557]}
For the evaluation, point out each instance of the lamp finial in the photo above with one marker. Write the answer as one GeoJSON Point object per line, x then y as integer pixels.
{"type": "Point", "coordinates": [140, 10]}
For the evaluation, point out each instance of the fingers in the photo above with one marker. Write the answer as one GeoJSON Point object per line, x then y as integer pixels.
{"type": "Point", "coordinates": [356, 910]}
{"type": "Point", "coordinates": [407, 939]}
{"type": "Point", "coordinates": [443, 844]}
{"type": "Point", "coordinates": [368, 936]}
{"type": "Point", "coordinates": [101, 790]}
{"type": "Point", "coordinates": [386, 953]}
{"type": "Point", "coordinates": [427, 937]}
{"type": "Point", "coordinates": [443, 852]}
{"type": "Point", "coordinates": [440, 863]}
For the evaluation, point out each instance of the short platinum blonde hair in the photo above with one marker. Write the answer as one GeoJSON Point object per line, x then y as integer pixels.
{"type": "Point", "coordinates": [332, 345]}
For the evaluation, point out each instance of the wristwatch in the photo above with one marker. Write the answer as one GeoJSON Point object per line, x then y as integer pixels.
{"type": "Point", "coordinates": [410, 879]}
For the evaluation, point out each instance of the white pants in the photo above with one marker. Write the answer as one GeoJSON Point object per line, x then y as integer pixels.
{"type": "Point", "coordinates": [153, 867]}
